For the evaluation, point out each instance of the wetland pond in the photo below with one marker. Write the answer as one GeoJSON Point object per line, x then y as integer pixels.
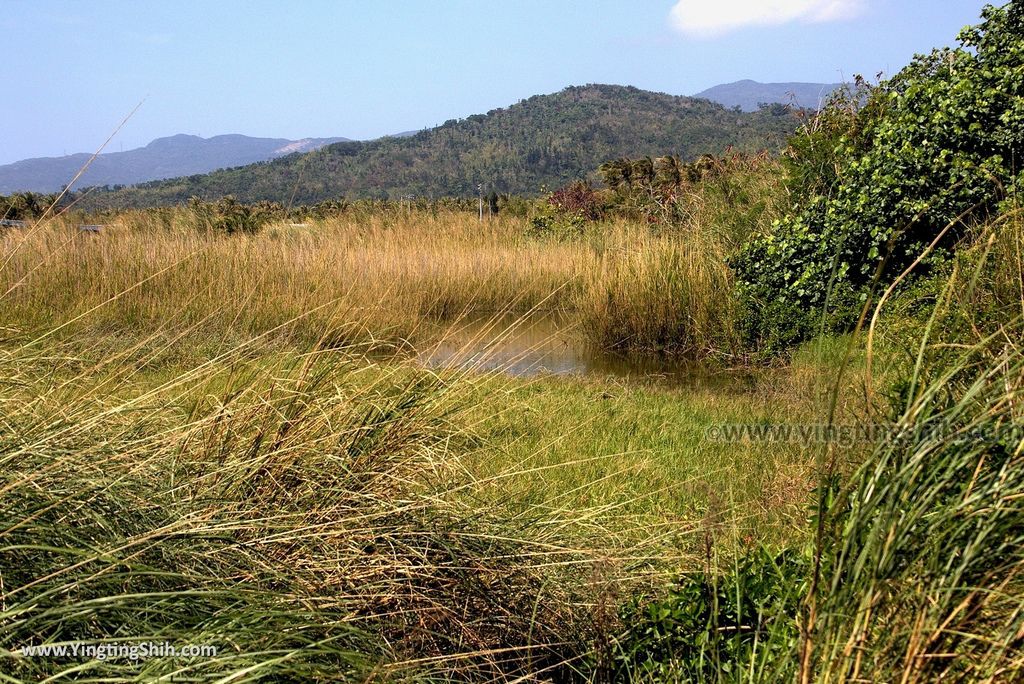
{"type": "Point", "coordinates": [546, 344]}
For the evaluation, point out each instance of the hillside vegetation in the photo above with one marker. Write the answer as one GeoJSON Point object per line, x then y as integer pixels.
{"type": "Point", "coordinates": [177, 155]}
{"type": "Point", "coordinates": [544, 141]}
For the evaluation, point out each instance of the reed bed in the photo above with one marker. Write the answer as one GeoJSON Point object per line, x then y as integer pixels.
{"type": "Point", "coordinates": [313, 515]}
{"type": "Point", "coordinates": [665, 293]}
{"type": "Point", "coordinates": [298, 507]}
{"type": "Point", "coordinates": [369, 278]}
{"type": "Point", "coordinates": [309, 519]}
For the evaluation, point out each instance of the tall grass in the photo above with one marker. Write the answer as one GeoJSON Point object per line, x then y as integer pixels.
{"type": "Point", "coordinates": [369, 278]}
{"type": "Point", "coordinates": [916, 573]}
{"type": "Point", "coordinates": [661, 293]}
{"type": "Point", "coordinates": [300, 515]}
{"type": "Point", "coordinates": [306, 513]}
{"type": "Point", "coordinates": [925, 562]}
{"type": "Point", "coordinates": [926, 577]}
{"type": "Point", "coordinates": [387, 277]}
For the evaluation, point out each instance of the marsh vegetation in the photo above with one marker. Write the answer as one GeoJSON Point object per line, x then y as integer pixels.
{"type": "Point", "coordinates": [295, 433]}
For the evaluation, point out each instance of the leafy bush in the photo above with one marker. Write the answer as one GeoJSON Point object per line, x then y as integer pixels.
{"type": "Point", "coordinates": [578, 199]}
{"type": "Point", "coordinates": [933, 151]}
{"type": "Point", "coordinates": [547, 224]}
{"type": "Point", "coordinates": [812, 160]}
{"type": "Point", "coordinates": [568, 210]}
{"type": "Point", "coordinates": [713, 627]}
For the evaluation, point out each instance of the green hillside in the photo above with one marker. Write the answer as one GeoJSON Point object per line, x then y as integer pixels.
{"type": "Point", "coordinates": [544, 141]}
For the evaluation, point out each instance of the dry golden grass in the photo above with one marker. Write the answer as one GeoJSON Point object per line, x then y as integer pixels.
{"type": "Point", "coordinates": [663, 293]}
{"type": "Point", "coordinates": [368, 278]}
{"type": "Point", "coordinates": [328, 276]}
{"type": "Point", "coordinates": [319, 507]}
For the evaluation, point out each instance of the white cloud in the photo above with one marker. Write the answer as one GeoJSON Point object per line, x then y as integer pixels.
{"type": "Point", "coordinates": [710, 18]}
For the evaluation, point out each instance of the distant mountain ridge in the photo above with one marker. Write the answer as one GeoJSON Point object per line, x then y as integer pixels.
{"type": "Point", "coordinates": [749, 95]}
{"type": "Point", "coordinates": [541, 142]}
{"type": "Point", "coordinates": [170, 157]}
{"type": "Point", "coordinates": [182, 155]}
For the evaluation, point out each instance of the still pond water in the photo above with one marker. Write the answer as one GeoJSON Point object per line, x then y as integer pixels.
{"type": "Point", "coordinates": [547, 345]}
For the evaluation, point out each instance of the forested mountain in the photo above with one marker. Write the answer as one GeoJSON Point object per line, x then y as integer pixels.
{"type": "Point", "coordinates": [177, 155]}
{"type": "Point", "coordinates": [750, 95]}
{"type": "Point", "coordinates": [545, 141]}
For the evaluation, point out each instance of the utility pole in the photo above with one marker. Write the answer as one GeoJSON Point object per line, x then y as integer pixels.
{"type": "Point", "coordinates": [480, 197]}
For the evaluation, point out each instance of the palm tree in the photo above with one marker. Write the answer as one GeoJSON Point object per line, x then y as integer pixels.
{"type": "Point", "coordinates": [616, 173]}
{"type": "Point", "coordinates": [668, 172]}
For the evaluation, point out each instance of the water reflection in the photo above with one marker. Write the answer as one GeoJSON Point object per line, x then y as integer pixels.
{"type": "Point", "coordinates": [547, 344]}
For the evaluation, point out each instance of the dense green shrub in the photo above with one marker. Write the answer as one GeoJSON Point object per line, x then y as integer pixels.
{"type": "Point", "coordinates": [937, 146]}
{"type": "Point", "coordinates": [567, 211]}
{"type": "Point", "coordinates": [812, 159]}
{"type": "Point", "coordinates": [713, 627]}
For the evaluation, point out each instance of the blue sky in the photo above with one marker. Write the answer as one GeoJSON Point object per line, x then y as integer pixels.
{"type": "Point", "coordinates": [73, 70]}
